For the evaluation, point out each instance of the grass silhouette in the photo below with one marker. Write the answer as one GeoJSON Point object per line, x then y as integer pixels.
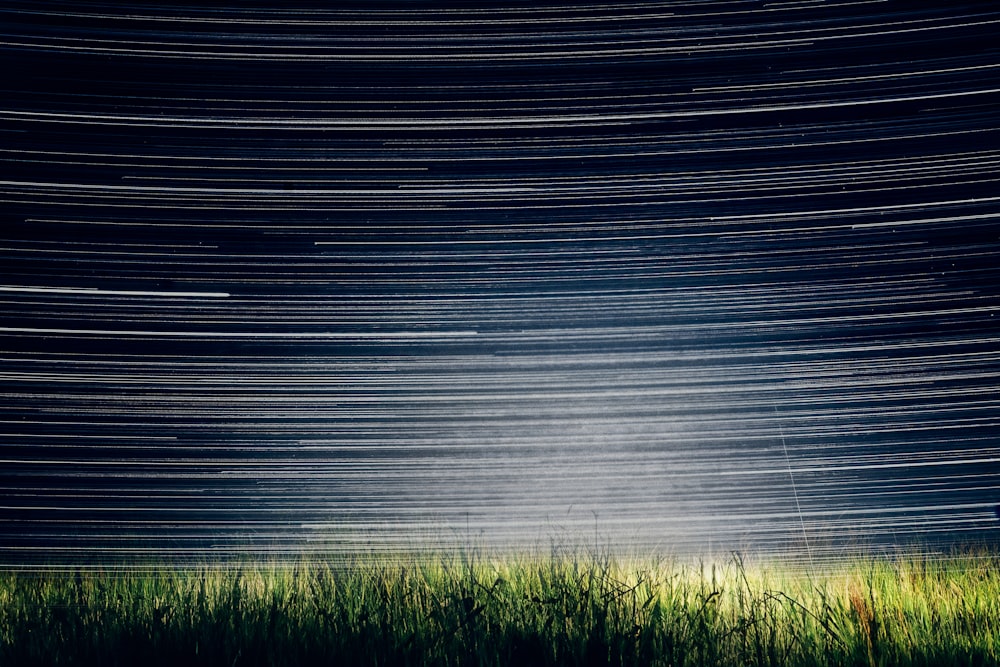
{"type": "Point", "coordinates": [558, 610]}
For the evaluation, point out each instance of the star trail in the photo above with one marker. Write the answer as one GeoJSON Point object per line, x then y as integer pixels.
{"type": "Point", "coordinates": [688, 277]}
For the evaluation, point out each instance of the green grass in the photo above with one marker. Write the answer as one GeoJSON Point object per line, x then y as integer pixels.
{"type": "Point", "coordinates": [508, 611]}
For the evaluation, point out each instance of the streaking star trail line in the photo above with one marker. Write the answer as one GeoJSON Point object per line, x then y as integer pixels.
{"type": "Point", "coordinates": [686, 277]}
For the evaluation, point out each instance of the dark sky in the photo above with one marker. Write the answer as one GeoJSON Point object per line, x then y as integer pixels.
{"type": "Point", "coordinates": [682, 276]}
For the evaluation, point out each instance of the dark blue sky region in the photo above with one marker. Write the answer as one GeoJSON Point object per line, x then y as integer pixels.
{"type": "Point", "coordinates": [675, 276]}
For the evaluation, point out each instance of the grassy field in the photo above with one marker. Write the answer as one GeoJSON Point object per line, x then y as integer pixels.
{"type": "Point", "coordinates": [508, 611]}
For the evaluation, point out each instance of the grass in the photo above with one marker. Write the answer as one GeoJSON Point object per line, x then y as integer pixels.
{"type": "Point", "coordinates": [508, 611]}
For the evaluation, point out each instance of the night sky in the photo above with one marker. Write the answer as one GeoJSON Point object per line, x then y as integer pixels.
{"type": "Point", "coordinates": [687, 277]}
